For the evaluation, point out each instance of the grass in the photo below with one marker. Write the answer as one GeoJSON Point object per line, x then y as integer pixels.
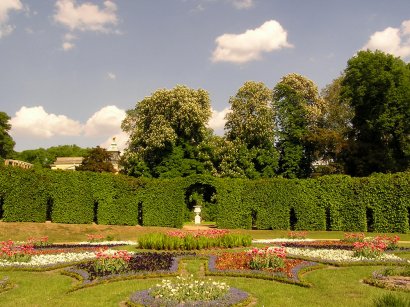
{"type": "Point", "coordinates": [331, 286]}
{"type": "Point", "coordinates": [77, 232]}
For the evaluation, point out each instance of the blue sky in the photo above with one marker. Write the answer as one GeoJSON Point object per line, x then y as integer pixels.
{"type": "Point", "coordinates": [70, 68]}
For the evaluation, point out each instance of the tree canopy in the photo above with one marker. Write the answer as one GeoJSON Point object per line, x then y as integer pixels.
{"type": "Point", "coordinates": [297, 109]}
{"type": "Point", "coordinates": [6, 141]}
{"type": "Point", "coordinates": [377, 85]}
{"type": "Point", "coordinates": [97, 160]}
{"type": "Point", "coordinates": [165, 130]}
{"type": "Point", "coordinates": [45, 157]}
{"type": "Point", "coordinates": [250, 133]}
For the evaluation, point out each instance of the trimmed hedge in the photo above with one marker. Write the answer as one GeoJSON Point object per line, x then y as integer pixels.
{"type": "Point", "coordinates": [377, 203]}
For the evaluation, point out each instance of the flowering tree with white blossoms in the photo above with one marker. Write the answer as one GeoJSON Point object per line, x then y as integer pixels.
{"type": "Point", "coordinates": [165, 130]}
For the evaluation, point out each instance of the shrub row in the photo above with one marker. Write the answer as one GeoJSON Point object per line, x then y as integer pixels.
{"type": "Point", "coordinates": [377, 203]}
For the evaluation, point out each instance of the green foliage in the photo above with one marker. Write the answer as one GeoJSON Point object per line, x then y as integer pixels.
{"type": "Point", "coordinates": [24, 195]}
{"type": "Point", "coordinates": [72, 197]}
{"type": "Point", "coordinates": [251, 120]}
{"type": "Point", "coordinates": [6, 141]}
{"type": "Point", "coordinates": [97, 160]}
{"type": "Point", "coordinates": [45, 157]}
{"type": "Point", "coordinates": [391, 300]}
{"type": "Point", "coordinates": [163, 203]}
{"type": "Point", "coordinates": [378, 203]}
{"type": "Point", "coordinates": [377, 85]}
{"type": "Point", "coordinates": [297, 108]}
{"type": "Point", "coordinates": [161, 241]}
{"type": "Point", "coordinates": [330, 133]}
{"type": "Point", "coordinates": [165, 129]}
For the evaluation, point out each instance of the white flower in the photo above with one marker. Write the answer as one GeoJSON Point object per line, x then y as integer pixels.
{"type": "Point", "coordinates": [335, 255]}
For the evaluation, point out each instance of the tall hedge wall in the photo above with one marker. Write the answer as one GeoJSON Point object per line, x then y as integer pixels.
{"type": "Point", "coordinates": [377, 203]}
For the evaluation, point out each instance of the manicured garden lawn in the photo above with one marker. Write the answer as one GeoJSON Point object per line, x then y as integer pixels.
{"type": "Point", "coordinates": [330, 285]}
{"type": "Point", "coordinates": [74, 232]}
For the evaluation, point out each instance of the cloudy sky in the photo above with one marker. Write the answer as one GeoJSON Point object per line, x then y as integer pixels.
{"type": "Point", "coordinates": [70, 68]}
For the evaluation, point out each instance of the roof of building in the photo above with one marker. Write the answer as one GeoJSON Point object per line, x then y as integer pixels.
{"type": "Point", "coordinates": [68, 160]}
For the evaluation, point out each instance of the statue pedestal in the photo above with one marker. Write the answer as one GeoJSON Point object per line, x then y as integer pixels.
{"type": "Point", "coordinates": [197, 219]}
{"type": "Point", "coordinates": [197, 210]}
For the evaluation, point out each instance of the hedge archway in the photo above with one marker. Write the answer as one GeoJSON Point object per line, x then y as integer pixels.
{"type": "Point", "coordinates": [204, 195]}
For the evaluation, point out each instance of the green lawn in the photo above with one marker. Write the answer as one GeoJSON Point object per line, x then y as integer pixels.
{"type": "Point", "coordinates": [331, 286]}
{"type": "Point", "coordinates": [75, 232]}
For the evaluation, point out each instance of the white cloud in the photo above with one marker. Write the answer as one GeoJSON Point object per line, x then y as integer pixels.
{"type": "Point", "coordinates": [86, 16]}
{"type": "Point", "coordinates": [36, 122]}
{"type": "Point", "coordinates": [111, 76]}
{"type": "Point", "coordinates": [242, 4]}
{"type": "Point", "coordinates": [6, 6]}
{"type": "Point", "coordinates": [395, 41]}
{"type": "Point", "coordinates": [68, 41]}
{"type": "Point", "coordinates": [106, 121]}
{"type": "Point", "coordinates": [406, 27]}
{"type": "Point", "coordinates": [217, 121]}
{"type": "Point", "coordinates": [67, 46]}
{"type": "Point", "coordinates": [249, 46]}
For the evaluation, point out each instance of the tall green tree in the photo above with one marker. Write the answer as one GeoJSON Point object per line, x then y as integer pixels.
{"type": "Point", "coordinates": [329, 134]}
{"type": "Point", "coordinates": [377, 85]}
{"type": "Point", "coordinates": [165, 130]}
{"type": "Point", "coordinates": [250, 133]}
{"type": "Point", "coordinates": [6, 141]}
{"type": "Point", "coordinates": [298, 108]}
{"type": "Point", "coordinates": [97, 160]}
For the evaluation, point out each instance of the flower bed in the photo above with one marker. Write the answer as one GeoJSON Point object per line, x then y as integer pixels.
{"type": "Point", "coordinates": [86, 244]}
{"type": "Point", "coordinates": [50, 260]}
{"type": "Point", "coordinates": [324, 244]}
{"type": "Point", "coordinates": [138, 262]}
{"type": "Point", "coordinates": [140, 265]}
{"type": "Point", "coordinates": [340, 256]}
{"type": "Point", "coordinates": [189, 292]}
{"type": "Point", "coordinates": [259, 263]}
{"type": "Point", "coordinates": [189, 240]}
{"type": "Point", "coordinates": [391, 278]}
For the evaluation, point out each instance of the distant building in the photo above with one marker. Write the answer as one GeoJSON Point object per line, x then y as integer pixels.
{"type": "Point", "coordinates": [67, 163]}
{"type": "Point", "coordinates": [115, 155]}
{"type": "Point", "coordinates": [18, 163]}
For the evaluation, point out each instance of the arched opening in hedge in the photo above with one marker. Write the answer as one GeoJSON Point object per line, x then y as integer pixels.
{"type": "Point", "coordinates": [95, 212]}
{"type": "Point", "coordinates": [370, 219]}
{"type": "Point", "coordinates": [293, 219]}
{"type": "Point", "coordinates": [328, 219]}
{"type": "Point", "coordinates": [1, 207]}
{"type": "Point", "coordinates": [204, 195]}
{"type": "Point", "coordinates": [49, 209]}
{"type": "Point", "coordinates": [254, 216]}
{"type": "Point", "coordinates": [140, 214]}
{"type": "Point", "coordinates": [408, 216]}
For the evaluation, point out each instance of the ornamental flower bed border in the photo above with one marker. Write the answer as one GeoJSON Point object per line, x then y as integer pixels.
{"type": "Point", "coordinates": [354, 262]}
{"type": "Point", "coordinates": [212, 270]}
{"type": "Point", "coordinates": [378, 279]}
{"type": "Point", "coordinates": [234, 296]}
{"type": "Point", "coordinates": [84, 277]}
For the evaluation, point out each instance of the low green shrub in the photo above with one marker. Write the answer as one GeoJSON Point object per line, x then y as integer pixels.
{"type": "Point", "coordinates": [161, 241]}
{"type": "Point", "coordinates": [390, 300]}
